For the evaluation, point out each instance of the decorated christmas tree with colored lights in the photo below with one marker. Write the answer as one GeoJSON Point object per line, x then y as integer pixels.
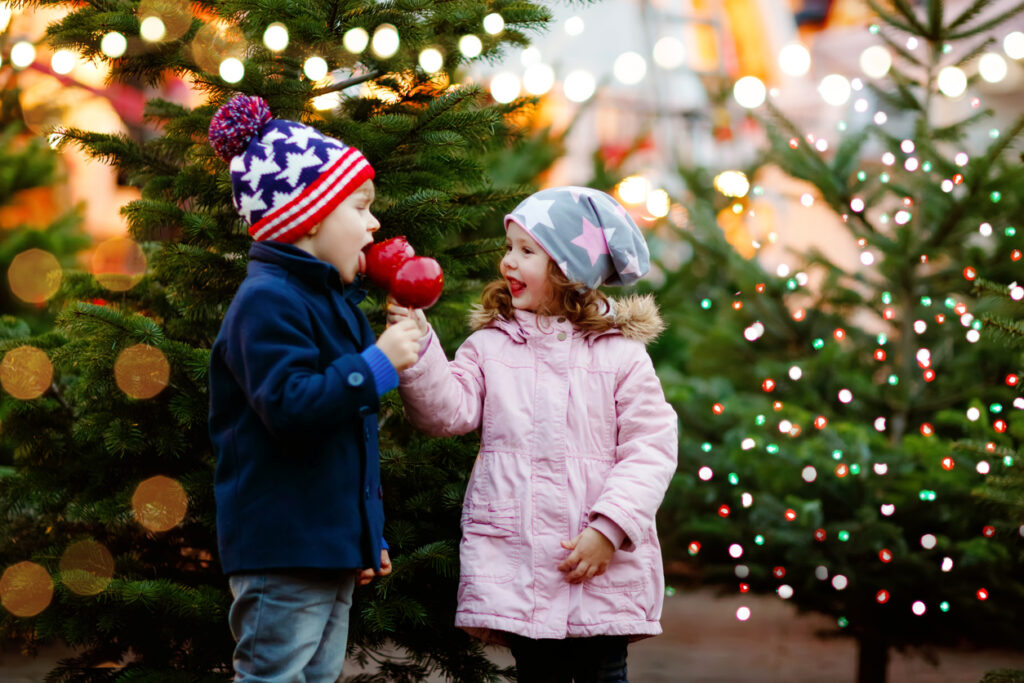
{"type": "Point", "coordinates": [842, 416]}
{"type": "Point", "coordinates": [108, 518]}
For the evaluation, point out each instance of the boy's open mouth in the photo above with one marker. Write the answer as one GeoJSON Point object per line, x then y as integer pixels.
{"type": "Point", "coordinates": [515, 287]}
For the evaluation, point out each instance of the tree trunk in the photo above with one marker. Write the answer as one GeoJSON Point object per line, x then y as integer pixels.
{"type": "Point", "coordinates": [872, 658]}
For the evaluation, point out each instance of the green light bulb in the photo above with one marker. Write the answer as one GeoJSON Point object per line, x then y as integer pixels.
{"type": "Point", "coordinates": [759, 539]}
{"type": "Point", "coordinates": [706, 447]}
{"type": "Point", "coordinates": [893, 380]}
{"type": "Point", "coordinates": [844, 535]}
{"type": "Point", "coordinates": [818, 344]}
{"type": "Point", "coordinates": [705, 304]}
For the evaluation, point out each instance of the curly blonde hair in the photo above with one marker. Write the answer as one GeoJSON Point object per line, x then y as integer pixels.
{"type": "Point", "coordinates": [587, 309]}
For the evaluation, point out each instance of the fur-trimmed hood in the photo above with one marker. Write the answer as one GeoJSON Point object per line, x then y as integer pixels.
{"type": "Point", "coordinates": [636, 317]}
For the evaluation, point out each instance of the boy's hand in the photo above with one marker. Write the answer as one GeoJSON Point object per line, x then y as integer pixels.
{"type": "Point", "coordinates": [398, 313]}
{"type": "Point", "coordinates": [366, 575]}
{"type": "Point", "coordinates": [401, 343]}
{"type": "Point", "coordinates": [591, 553]}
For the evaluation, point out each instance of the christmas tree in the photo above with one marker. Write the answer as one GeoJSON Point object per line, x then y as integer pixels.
{"type": "Point", "coordinates": [110, 509]}
{"type": "Point", "coordinates": [828, 412]}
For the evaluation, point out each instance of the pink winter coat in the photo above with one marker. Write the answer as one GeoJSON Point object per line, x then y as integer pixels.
{"type": "Point", "coordinates": [574, 430]}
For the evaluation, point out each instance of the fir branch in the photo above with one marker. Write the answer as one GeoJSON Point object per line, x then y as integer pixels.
{"type": "Point", "coordinates": [914, 27]}
{"type": "Point", "coordinates": [968, 14]}
{"type": "Point", "coordinates": [976, 51]}
{"type": "Point", "coordinates": [936, 10]}
{"type": "Point", "coordinates": [988, 25]}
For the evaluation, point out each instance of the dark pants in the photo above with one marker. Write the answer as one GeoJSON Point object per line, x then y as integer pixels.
{"type": "Point", "coordinates": [598, 659]}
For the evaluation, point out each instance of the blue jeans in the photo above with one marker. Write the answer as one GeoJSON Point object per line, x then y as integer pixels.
{"type": "Point", "coordinates": [598, 659]}
{"type": "Point", "coordinates": [291, 626]}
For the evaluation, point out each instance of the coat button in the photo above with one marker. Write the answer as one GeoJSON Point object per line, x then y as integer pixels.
{"type": "Point", "coordinates": [355, 379]}
{"type": "Point", "coordinates": [366, 493]}
{"type": "Point", "coordinates": [561, 318]}
{"type": "Point", "coordinates": [561, 336]}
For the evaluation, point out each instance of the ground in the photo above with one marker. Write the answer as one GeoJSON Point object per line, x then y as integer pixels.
{"type": "Point", "coordinates": [705, 643]}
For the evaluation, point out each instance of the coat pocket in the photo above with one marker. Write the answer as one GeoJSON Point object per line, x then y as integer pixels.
{"type": "Point", "coordinates": [491, 544]}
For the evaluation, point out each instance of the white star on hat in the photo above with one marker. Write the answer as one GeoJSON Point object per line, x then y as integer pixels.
{"type": "Point", "coordinates": [632, 265]}
{"type": "Point", "coordinates": [249, 203]}
{"type": "Point", "coordinates": [282, 198]}
{"type": "Point", "coordinates": [300, 134]}
{"type": "Point", "coordinates": [257, 169]}
{"type": "Point", "coordinates": [535, 213]}
{"type": "Point", "coordinates": [296, 163]}
{"type": "Point", "coordinates": [273, 135]}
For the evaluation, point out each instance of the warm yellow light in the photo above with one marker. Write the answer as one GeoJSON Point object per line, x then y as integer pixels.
{"type": "Point", "coordinates": [276, 37]}
{"type": "Point", "coordinates": [5, 16]}
{"type": "Point", "coordinates": [34, 275]}
{"type": "Point", "coordinates": [355, 40]}
{"type": "Point", "coordinates": [579, 85]}
{"type": "Point", "coordinates": [86, 567]}
{"type": "Point", "coordinates": [634, 189]}
{"type": "Point", "coordinates": [153, 29]}
{"type": "Point", "coordinates": [494, 23]}
{"type": "Point", "coordinates": [538, 79]}
{"type": "Point", "coordinates": [159, 503]}
{"type": "Point", "coordinates": [327, 101]}
{"type": "Point", "coordinates": [749, 92]}
{"type": "Point", "coordinates": [23, 53]}
{"type": "Point", "coordinates": [505, 87]}
{"type": "Point", "coordinates": [431, 60]}
{"type": "Point", "coordinates": [794, 59]}
{"type": "Point", "coordinates": [992, 67]}
{"type": "Point", "coordinates": [26, 372]}
{"type": "Point", "coordinates": [658, 203]}
{"type": "Point", "coordinates": [315, 68]}
{"type": "Point", "coordinates": [732, 183]}
{"type": "Point", "coordinates": [629, 68]}
{"type": "Point", "coordinates": [385, 41]}
{"type": "Point", "coordinates": [952, 81]}
{"type": "Point", "coordinates": [669, 52]}
{"type": "Point", "coordinates": [1013, 45]}
{"type": "Point", "coordinates": [113, 45]}
{"type": "Point", "coordinates": [118, 263]}
{"type": "Point", "coordinates": [835, 89]}
{"type": "Point", "coordinates": [26, 589]}
{"type": "Point", "coordinates": [141, 371]}
{"type": "Point", "coordinates": [875, 61]}
{"type": "Point", "coordinates": [470, 46]}
{"type": "Point", "coordinates": [62, 61]}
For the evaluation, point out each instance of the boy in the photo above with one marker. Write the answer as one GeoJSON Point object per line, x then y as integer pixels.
{"type": "Point", "coordinates": [295, 381]}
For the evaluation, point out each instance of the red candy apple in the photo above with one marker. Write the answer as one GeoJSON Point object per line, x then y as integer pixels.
{"type": "Point", "coordinates": [418, 282]}
{"type": "Point", "coordinates": [383, 259]}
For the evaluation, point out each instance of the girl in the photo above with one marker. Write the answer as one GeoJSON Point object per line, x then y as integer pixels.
{"type": "Point", "coordinates": [559, 555]}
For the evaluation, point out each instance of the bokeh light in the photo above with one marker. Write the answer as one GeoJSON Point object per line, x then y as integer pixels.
{"type": "Point", "coordinates": [385, 41]}
{"type": "Point", "coordinates": [538, 78]}
{"type": "Point", "coordinates": [505, 87]}
{"type": "Point", "coordinates": [164, 19]}
{"type": "Point", "coordinates": [470, 46]}
{"type": "Point", "coordinates": [23, 53]}
{"type": "Point", "coordinates": [355, 40]}
{"type": "Point", "coordinates": [749, 92]}
{"type": "Point", "coordinates": [86, 567]}
{"type": "Point", "coordinates": [118, 264]}
{"type": "Point", "coordinates": [113, 44]}
{"type": "Point", "coordinates": [231, 70]}
{"type": "Point", "coordinates": [34, 275]}
{"type": "Point", "coordinates": [215, 43]}
{"type": "Point", "coordinates": [26, 589]}
{"type": "Point", "coordinates": [992, 67]}
{"type": "Point", "coordinates": [633, 189]}
{"type": "Point", "coordinates": [794, 59]}
{"type": "Point", "coordinates": [669, 52]}
{"type": "Point", "coordinates": [875, 61]}
{"type": "Point", "coordinates": [159, 503]}
{"type": "Point", "coordinates": [629, 68]}
{"type": "Point", "coordinates": [1013, 45]}
{"type": "Point", "coordinates": [574, 26]}
{"type": "Point", "coordinates": [63, 61]}
{"type": "Point", "coordinates": [275, 37]}
{"type": "Point", "coordinates": [26, 372]}
{"type": "Point", "coordinates": [431, 60]}
{"type": "Point", "coordinates": [315, 68]}
{"type": "Point", "coordinates": [732, 183]}
{"type": "Point", "coordinates": [658, 203]}
{"type": "Point", "coordinates": [494, 23]}
{"type": "Point", "coordinates": [579, 85]}
{"type": "Point", "coordinates": [952, 81]}
{"type": "Point", "coordinates": [835, 89]}
{"type": "Point", "coordinates": [141, 371]}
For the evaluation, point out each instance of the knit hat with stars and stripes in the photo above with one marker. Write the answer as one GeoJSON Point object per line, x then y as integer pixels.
{"type": "Point", "coordinates": [589, 235]}
{"type": "Point", "coordinates": [286, 176]}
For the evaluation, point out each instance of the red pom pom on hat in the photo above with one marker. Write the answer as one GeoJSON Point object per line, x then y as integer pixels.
{"type": "Point", "coordinates": [236, 123]}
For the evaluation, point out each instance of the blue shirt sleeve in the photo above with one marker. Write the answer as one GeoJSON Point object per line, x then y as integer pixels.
{"type": "Point", "coordinates": [384, 374]}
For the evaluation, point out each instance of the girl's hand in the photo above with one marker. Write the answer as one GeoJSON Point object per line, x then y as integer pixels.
{"type": "Point", "coordinates": [397, 313]}
{"type": "Point", "coordinates": [366, 575]}
{"type": "Point", "coordinates": [591, 553]}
